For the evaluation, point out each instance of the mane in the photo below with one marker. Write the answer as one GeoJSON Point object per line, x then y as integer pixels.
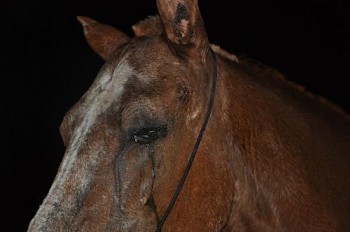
{"type": "Point", "coordinates": [261, 70]}
{"type": "Point", "coordinates": [224, 53]}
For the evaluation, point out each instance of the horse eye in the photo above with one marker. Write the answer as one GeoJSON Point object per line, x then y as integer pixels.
{"type": "Point", "coordinates": [148, 135]}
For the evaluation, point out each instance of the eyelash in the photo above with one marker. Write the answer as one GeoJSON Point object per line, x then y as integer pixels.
{"type": "Point", "coordinates": [146, 136]}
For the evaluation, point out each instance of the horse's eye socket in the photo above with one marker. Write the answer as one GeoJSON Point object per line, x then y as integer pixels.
{"type": "Point", "coordinates": [148, 135]}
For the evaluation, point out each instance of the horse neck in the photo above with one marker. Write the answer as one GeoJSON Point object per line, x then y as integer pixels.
{"type": "Point", "coordinates": [276, 136]}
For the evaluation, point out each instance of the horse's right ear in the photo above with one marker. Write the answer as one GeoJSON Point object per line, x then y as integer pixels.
{"type": "Point", "coordinates": [183, 23]}
{"type": "Point", "coordinates": [103, 39]}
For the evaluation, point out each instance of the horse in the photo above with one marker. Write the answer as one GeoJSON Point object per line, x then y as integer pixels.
{"type": "Point", "coordinates": [176, 134]}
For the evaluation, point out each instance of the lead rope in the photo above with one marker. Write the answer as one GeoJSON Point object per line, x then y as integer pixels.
{"type": "Point", "coordinates": [195, 147]}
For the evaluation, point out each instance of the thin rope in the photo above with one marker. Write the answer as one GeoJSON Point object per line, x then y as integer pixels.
{"type": "Point", "coordinates": [195, 147]}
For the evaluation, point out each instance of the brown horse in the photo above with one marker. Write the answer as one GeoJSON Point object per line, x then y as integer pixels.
{"type": "Point", "coordinates": [271, 157]}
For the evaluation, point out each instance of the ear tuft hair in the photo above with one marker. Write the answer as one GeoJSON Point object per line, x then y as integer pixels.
{"type": "Point", "coordinates": [152, 26]}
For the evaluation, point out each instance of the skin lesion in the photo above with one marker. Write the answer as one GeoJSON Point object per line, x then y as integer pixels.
{"type": "Point", "coordinates": [183, 93]}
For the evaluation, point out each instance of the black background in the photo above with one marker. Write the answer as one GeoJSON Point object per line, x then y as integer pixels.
{"type": "Point", "coordinates": [46, 66]}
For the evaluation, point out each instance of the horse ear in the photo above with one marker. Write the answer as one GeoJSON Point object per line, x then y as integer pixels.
{"type": "Point", "coordinates": [183, 22]}
{"type": "Point", "coordinates": [103, 39]}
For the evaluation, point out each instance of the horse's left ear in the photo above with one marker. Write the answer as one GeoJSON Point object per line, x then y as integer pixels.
{"type": "Point", "coordinates": [183, 22]}
{"type": "Point", "coordinates": [102, 38]}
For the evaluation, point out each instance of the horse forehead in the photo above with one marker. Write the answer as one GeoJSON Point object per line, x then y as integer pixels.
{"type": "Point", "coordinates": [147, 55]}
{"type": "Point", "coordinates": [143, 61]}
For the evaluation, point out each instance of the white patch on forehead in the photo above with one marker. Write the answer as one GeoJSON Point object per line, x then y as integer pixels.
{"type": "Point", "coordinates": [106, 90]}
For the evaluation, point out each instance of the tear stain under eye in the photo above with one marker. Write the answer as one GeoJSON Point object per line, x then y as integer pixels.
{"type": "Point", "coordinates": [147, 186]}
{"type": "Point", "coordinates": [151, 203]}
{"type": "Point", "coordinates": [130, 171]}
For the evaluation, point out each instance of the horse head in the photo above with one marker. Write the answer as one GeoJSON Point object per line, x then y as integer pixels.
{"type": "Point", "coordinates": [128, 139]}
